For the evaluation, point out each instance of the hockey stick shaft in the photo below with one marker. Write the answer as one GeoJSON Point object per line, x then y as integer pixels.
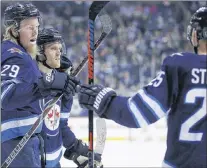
{"type": "Point", "coordinates": [26, 137]}
{"type": "Point", "coordinates": [107, 27]}
{"type": "Point", "coordinates": [90, 80]}
{"type": "Point", "coordinates": [37, 123]}
{"type": "Point", "coordinates": [85, 60]}
{"type": "Point", "coordinates": [94, 9]}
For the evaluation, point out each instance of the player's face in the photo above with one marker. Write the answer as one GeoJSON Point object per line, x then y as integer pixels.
{"type": "Point", "coordinates": [53, 53]}
{"type": "Point", "coordinates": [28, 33]}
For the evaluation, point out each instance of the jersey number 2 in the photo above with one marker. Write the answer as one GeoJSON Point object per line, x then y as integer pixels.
{"type": "Point", "coordinates": [185, 134]}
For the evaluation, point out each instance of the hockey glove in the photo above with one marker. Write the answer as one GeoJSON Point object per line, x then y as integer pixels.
{"type": "Point", "coordinates": [57, 82]}
{"type": "Point", "coordinates": [95, 97]}
{"type": "Point", "coordinates": [79, 154]}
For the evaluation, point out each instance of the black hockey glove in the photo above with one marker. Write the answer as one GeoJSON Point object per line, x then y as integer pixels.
{"type": "Point", "coordinates": [79, 154]}
{"type": "Point", "coordinates": [57, 82]}
{"type": "Point", "coordinates": [65, 65]}
{"type": "Point", "coordinates": [95, 97]}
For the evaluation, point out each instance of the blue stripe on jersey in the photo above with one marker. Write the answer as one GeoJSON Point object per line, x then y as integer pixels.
{"type": "Point", "coordinates": [6, 86]}
{"type": "Point", "coordinates": [145, 110]}
{"type": "Point", "coordinates": [139, 118]}
{"type": "Point", "coordinates": [6, 82]}
{"type": "Point", "coordinates": [52, 158]}
{"type": "Point", "coordinates": [16, 127]}
{"type": "Point", "coordinates": [53, 163]}
{"type": "Point", "coordinates": [16, 132]}
{"type": "Point", "coordinates": [6, 91]}
{"type": "Point", "coordinates": [137, 123]}
{"type": "Point", "coordinates": [152, 103]}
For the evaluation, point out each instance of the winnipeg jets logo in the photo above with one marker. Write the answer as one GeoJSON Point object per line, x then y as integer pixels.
{"type": "Point", "coordinates": [53, 118]}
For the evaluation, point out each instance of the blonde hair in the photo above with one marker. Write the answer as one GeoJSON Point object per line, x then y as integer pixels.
{"type": "Point", "coordinates": [8, 36]}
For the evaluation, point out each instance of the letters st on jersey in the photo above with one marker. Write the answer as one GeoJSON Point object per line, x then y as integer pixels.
{"type": "Point", "coordinates": [192, 86]}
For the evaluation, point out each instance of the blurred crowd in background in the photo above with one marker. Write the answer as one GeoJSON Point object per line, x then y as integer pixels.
{"type": "Point", "coordinates": [143, 34]}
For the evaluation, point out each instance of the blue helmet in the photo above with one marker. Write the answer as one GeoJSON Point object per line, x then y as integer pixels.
{"type": "Point", "coordinates": [49, 35]}
{"type": "Point", "coordinates": [14, 14]}
{"type": "Point", "coordinates": [199, 22]}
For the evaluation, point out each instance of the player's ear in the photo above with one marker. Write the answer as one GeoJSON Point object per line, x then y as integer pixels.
{"type": "Point", "coordinates": [194, 38]}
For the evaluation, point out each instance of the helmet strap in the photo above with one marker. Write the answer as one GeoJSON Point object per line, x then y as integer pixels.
{"type": "Point", "coordinates": [38, 59]}
{"type": "Point", "coordinates": [195, 50]}
{"type": "Point", "coordinates": [45, 64]}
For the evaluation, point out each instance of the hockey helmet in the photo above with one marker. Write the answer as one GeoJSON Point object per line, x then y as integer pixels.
{"type": "Point", "coordinates": [14, 14]}
{"type": "Point", "coordinates": [199, 22]}
{"type": "Point", "coordinates": [46, 36]}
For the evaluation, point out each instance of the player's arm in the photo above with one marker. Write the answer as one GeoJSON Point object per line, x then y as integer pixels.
{"type": "Point", "coordinates": [76, 150]}
{"type": "Point", "coordinates": [27, 84]}
{"type": "Point", "coordinates": [147, 106]}
{"type": "Point", "coordinates": [18, 87]}
{"type": "Point", "coordinates": [68, 136]}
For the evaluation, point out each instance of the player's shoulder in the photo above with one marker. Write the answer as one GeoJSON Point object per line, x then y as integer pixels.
{"type": "Point", "coordinates": [11, 51]}
{"type": "Point", "coordinates": [179, 59]}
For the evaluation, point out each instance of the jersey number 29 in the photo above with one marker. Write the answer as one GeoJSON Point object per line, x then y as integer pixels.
{"type": "Point", "coordinates": [10, 70]}
{"type": "Point", "coordinates": [185, 134]}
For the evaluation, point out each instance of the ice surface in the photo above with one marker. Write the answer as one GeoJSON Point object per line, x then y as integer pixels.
{"type": "Point", "coordinates": [130, 154]}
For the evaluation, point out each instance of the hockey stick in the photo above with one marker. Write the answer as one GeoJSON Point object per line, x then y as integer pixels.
{"type": "Point", "coordinates": [101, 132]}
{"type": "Point", "coordinates": [106, 30]}
{"type": "Point", "coordinates": [94, 9]}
